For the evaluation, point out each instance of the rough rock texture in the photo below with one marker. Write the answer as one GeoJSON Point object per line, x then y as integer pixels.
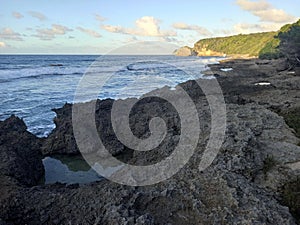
{"type": "Point", "coordinates": [185, 51]}
{"type": "Point", "coordinates": [61, 140]}
{"type": "Point", "coordinates": [21, 161]}
{"type": "Point", "coordinates": [231, 191]}
{"type": "Point", "coordinates": [242, 186]}
{"type": "Point", "coordinates": [207, 52]}
{"type": "Point", "coordinates": [19, 152]}
{"type": "Point", "coordinates": [241, 84]}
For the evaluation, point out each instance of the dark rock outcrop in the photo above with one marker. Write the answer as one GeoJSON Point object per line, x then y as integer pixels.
{"type": "Point", "coordinates": [235, 189]}
{"type": "Point", "coordinates": [242, 186]}
{"type": "Point", "coordinates": [61, 140]}
{"type": "Point", "coordinates": [20, 152]}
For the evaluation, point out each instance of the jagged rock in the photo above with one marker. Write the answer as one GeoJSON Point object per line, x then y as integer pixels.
{"type": "Point", "coordinates": [19, 152]}
{"type": "Point", "coordinates": [242, 186]}
{"type": "Point", "coordinates": [61, 140]}
{"type": "Point", "coordinates": [185, 51]}
{"type": "Point", "coordinates": [229, 191]}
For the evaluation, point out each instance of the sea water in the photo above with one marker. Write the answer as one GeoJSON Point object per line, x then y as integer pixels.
{"type": "Point", "coordinates": [32, 85]}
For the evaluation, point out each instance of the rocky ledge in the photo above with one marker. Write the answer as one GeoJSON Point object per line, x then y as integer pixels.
{"type": "Point", "coordinates": [253, 180]}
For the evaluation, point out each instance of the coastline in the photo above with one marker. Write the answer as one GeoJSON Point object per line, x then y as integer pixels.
{"type": "Point", "coordinates": [258, 158]}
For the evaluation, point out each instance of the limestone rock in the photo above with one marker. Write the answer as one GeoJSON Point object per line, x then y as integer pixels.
{"type": "Point", "coordinates": [185, 51]}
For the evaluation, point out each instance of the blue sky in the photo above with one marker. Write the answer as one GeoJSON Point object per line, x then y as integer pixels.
{"type": "Point", "coordinates": [95, 26]}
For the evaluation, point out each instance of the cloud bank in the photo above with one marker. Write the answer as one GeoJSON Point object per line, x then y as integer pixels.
{"type": "Point", "coordinates": [89, 32]}
{"type": "Point", "coordinates": [17, 15]}
{"type": "Point", "coordinates": [51, 33]}
{"type": "Point", "coordinates": [265, 11]}
{"type": "Point", "coordinates": [145, 26]}
{"type": "Point", "coordinates": [8, 34]}
{"type": "Point", "coordinates": [37, 15]}
{"type": "Point", "coordinates": [200, 30]}
{"type": "Point", "coordinates": [2, 44]}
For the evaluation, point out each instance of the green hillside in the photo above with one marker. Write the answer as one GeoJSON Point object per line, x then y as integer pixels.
{"type": "Point", "coordinates": [246, 44]}
{"type": "Point", "coordinates": [286, 43]}
{"type": "Point", "coordinates": [267, 45]}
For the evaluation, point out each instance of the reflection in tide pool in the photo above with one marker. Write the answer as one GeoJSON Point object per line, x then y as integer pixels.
{"type": "Point", "coordinates": [69, 170]}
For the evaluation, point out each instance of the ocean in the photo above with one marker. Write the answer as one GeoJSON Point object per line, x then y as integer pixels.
{"type": "Point", "coordinates": [32, 85]}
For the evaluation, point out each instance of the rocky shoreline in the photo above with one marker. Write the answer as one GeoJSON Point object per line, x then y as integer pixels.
{"type": "Point", "coordinates": [253, 179]}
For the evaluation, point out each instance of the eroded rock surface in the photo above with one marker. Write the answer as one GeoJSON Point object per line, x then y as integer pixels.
{"type": "Point", "coordinates": [20, 152]}
{"type": "Point", "coordinates": [242, 186]}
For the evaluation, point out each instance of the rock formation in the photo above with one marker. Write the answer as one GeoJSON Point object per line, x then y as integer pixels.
{"type": "Point", "coordinates": [185, 51]}
{"type": "Point", "coordinates": [244, 184]}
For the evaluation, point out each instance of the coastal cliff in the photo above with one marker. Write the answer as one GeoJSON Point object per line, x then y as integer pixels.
{"type": "Point", "coordinates": [242, 44]}
{"type": "Point", "coordinates": [284, 43]}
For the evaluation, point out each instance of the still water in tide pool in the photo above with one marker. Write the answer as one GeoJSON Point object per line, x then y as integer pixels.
{"type": "Point", "coordinates": [68, 170]}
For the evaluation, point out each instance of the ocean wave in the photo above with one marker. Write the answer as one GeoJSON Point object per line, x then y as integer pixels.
{"type": "Point", "coordinates": [147, 65]}
{"type": "Point", "coordinates": [41, 130]}
{"type": "Point", "coordinates": [38, 76]}
{"type": "Point", "coordinates": [33, 87]}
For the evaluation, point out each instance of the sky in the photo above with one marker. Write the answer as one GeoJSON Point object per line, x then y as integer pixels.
{"type": "Point", "coordinates": [99, 27]}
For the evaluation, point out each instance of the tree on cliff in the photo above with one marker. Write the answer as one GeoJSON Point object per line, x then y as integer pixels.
{"type": "Point", "coordinates": [286, 43]}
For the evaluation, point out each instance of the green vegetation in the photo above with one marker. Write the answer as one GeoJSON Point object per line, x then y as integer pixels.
{"type": "Point", "coordinates": [289, 36]}
{"type": "Point", "coordinates": [291, 197]}
{"type": "Point", "coordinates": [267, 45]}
{"type": "Point", "coordinates": [246, 44]}
{"type": "Point", "coordinates": [271, 50]}
{"type": "Point", "coordinates": [286, 43]}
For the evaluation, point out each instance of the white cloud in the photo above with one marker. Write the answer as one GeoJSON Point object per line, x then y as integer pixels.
{"type": "Point", "coordinates": [90, 32]}
{"type": "Point", "coordinates": [144, 48]}
{"type": "Point", "coordinates": [145, 26]}
{"type": "Point", "coordinates": [8, 34]}
{"type": "Point", "coordinates": [200, 30]}
{"type": "Point", "coordinates": [223, 32]}
{"type": "Point", "coordinates": [17, 15]}
{"type": "Point", "coordinates": [114, 29]}
{"type": "Point", "coordinates": [245, 28]}
{"type": "Point", "coordinates": [148, 26]}
{"type": "Point", "coordinates": [99, 18]}
{"type": "Point", "coordinates": [265, 11]}
{"type": "Point", "coordinates": [275, 15]}
{"type": "Point", "coordinates": [38, 15]}
{"type": "Point", "coordinates": [253, 6]}
{"type": "Point", "coordinates": [2, 44]}
{"type": "Point", "coordinates": [130, 40]}
{"type": "Point", "coordinates": [169, 39]}
{"type": "Point", "coordinates": [49, 34]}
{"type": "Point", "coordinates": [271, 19]}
